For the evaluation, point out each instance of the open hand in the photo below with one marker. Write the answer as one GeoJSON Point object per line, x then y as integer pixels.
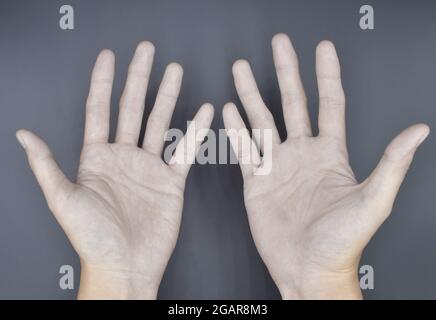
{"type": "Point", "coordinates": [310, 218]}
{"type": "Point", "coordinates": [123, 213]}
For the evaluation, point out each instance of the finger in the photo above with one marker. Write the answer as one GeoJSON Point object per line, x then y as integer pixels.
{"type": "Point", "coordinates": [382, 186]}
{"type": "Point", "coordinates": [294, 100]}
{"type": "Point", "coordinates": [258, 114]}
{"type": "Point", "coordinates": [99, 99]}
{"type": "Point", "coordinates": [187, 148]}
{"type": "Point", "coordinates": [331, 119]}
{"type": "Point", "coordinates": [245, 149]}
{"type": "Point", "coordinates": [133, 98]}
{"type": "Point", "coordinates": [53, 182]}
{"type": "Point", "coordinates": [160, 117]}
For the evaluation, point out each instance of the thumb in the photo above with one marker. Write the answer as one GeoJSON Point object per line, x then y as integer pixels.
{"type": "Point", "coordinates": [384, 182]}
{"type": "Point", "coordinates": [51, 179]}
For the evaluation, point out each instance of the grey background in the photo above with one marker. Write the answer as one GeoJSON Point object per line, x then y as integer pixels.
{"type": "Point", "coordinates": [389, 75]}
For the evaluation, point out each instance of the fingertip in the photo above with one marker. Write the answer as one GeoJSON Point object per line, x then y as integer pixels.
{"type": "Point", "coordinates": [105, 61]}
{"type": "Point", "coordinates": [326, 53]}
{"type": "Point", "coordinates": [417, 130]}
{"type": "Point", "coordinates": [20, 137]}
{"type": "Point", "coordinates": [327, 60]}
{"type": "Point", "coordinates": [387, 177]}
{"type": "Point", "coordinates": [207, 108]}
{"type": "Point", "coordinates": [175, 68]}
{"type": "Point", "coordinates": [106, 54]}
{"type": "Point", "coordinates": [20, 131]}
{"type": "Point", "coordinates": [231, 116]}
{"type": "Point", "coordinates": [280, 39]}
{"type": "Point", "coordinates": [174, 72]}
{"type": "Point", "coordinates": [30, 141]}
{"type": "Point", "coordinates": [406, 143]}
{"type": "Point", "coordinates": [325, 45]}
{"type": "Point", "coordinates": [426, 127]}
{"type": "Point", "coordinates": [423, 130]}
{"type": "Point", "coordinates": [145, 47]}
{"type": "Point", "coordinates": [229, 107]}
{"type": "Point", "coordinates": [240, 65]}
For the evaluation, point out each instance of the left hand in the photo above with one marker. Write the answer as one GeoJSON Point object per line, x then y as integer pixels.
{"type": "Point", "coordinates": [310, 218]}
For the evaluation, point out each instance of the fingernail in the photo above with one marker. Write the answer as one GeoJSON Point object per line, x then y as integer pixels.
{"type": "Point", "coordinates": [21, 139]}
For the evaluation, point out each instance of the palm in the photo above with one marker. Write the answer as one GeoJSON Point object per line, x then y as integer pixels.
{"type": "Point", "coordinates": [310, 192]}
{"type": "Point", "coordinates": [309, 217]}
{"type": "Point", "coordinates": [129, 193]}
{"type": "Point", "coordinates": [123, 213]}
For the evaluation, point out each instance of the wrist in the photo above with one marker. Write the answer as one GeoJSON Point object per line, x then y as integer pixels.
{"type": "Point", "coordinates": [98, 283]}
{"type": "Point", "coordinates": [323, 287]}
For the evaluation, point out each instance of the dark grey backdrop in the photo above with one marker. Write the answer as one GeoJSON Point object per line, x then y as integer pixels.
{"type": "Point", "coordinates": [389, 75]}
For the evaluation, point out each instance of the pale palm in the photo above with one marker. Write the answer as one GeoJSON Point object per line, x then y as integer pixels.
{"type": "Point", "coordinates": [309, 217]}
{"type": "Point", "coordinates": [123, 213]}
{"type": "Point", "coordinates": [125, 208]}
{"type": "Point", "coordinates": [310, 207]}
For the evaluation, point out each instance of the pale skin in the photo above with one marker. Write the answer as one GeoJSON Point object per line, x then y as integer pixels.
{"type": "Point", "coordinates": [310, 219]}
{"type": "Point", "coordinates": [123, 212]}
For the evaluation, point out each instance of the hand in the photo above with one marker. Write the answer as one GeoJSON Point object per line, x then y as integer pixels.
{"type": "Point", "coordinates": [310, 218]}
{"type": "Point", "coordinates": [123, 214]}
